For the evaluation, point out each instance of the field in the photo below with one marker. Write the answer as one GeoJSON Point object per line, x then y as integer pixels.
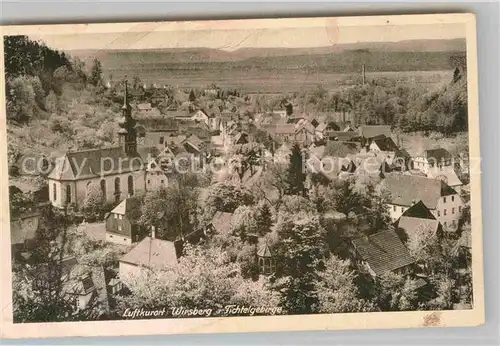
{"type": "Point", "coordinates": [269, 81]}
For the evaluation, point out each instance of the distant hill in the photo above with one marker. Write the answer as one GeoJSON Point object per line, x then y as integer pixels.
{"type": "Point", "coordinates": [452, 45]}
{"type": "Point", "coordinates": [113, 58]}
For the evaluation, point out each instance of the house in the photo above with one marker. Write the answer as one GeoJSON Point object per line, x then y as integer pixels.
{"type": "Point", "coordinates": [416, 220]}
{"type": "Point", "coordinates": [152, 132]}
{"type": "Point", "coordinates": [385, 147]}
{"type": "Point", "coordinates": [433, 158]}
{"type": "Point", "coordinates": [383, 252]}
{"type": "Point", "coordinates": [121, 222]}
{"type": "Point", "coordinates": [444, 203]}
{"type": "Point", "coordinates": [109, 168]}
{"type": "Point", "coordinates": [221, 223]}
{"type": "Point", "coordinates": [149, 254]}
{"type": "Point", "coordinates": [448, 175]}
{"type": "Point", "coordinates": [370, 165]}
{"type": "Point", "coordinates": [144, 108]}
{"type": "Point", "coordinates": [372, 131]}
{"type": "Point", "coordinates": [91, 289]}
{"type": "Point", "coordinates": [341, 136]}
{"type": "Point", "coordinates": [305, 133]}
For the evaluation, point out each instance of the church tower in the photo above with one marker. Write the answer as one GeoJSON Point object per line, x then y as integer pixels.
{"type": "Point", "coordinates": [127, 134]}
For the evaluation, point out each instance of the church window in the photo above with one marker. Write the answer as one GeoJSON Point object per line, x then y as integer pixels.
{"type": "Point", "coordinates": [103, 188]}
{"type": "Point", "coordinates": [130, 183]}
{"type": "Point", "coordinates": [68, 194]}
{"type": "Point", "coordinates": [117, 189]}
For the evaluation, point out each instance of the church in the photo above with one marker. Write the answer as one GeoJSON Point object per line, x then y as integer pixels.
{"type": "Point", "coordinates": [119, 171]}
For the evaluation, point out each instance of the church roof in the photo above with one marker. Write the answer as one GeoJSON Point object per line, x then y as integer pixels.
{"type": "Point", "coordinates": [86, 164]}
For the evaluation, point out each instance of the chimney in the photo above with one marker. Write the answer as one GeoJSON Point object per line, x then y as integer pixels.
{"type": "Point", "coordinates": [364, 74]}
{"type": "Point", "coordinates": [413, 202]}
{"type": "Point", "coordinates": [153, 232]}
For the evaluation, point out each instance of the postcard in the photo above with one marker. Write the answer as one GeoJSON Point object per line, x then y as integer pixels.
{"type": "Point", "coordinates": [244, 175]}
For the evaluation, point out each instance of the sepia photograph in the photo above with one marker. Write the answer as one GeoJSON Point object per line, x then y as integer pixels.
{"type": "Point", "coordinates": [225, 176]}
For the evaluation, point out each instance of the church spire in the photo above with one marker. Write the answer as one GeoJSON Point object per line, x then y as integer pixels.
{"type": "Point", "coordinates": [127, 134]}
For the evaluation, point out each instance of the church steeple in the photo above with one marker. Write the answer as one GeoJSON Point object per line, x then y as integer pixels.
{"type": "Point", "coordinates": [127, 134]}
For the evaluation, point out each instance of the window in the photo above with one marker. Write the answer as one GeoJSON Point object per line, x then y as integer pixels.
{"type": "Point", "coordinates": [149, 181]}
{"type": "Point", "coordinates": [68, 194]}
{"type": "Point", "coordinates": [459, 208]}
{"type": "Point", "coordinates": [116, 216]}
{"type": "Point", "coordinates": [162, 181]}
{"type": "Point", "coordinates": [444, 212]}
{"type": "Point", "coordinates": [444, 201]}
{"type": "Point", "coordinates": [54, 190]}
{"type": "Point", "coordinates": [454, 223]}
{"type": "Point", "coordinates": [130, 183]}
{"type": "Point", "coordinates": [117, 189]}
{"type": "Point", "coordinates": [453, 198]}
{"type": "Point", "coordinates": [453, 210]}
{"type": "Point", "coordinates": [394, 208]}
{"type": "Point", "coordinates": [103, 188]}
{"type": "Point", "coordinates": [120, 217]}
{"type": "Point", "coordinates": [162, 140]}
{"type": "Point", "coordinates": [119, 227]}
{"type": "Point", "coordinates": [439, 213]}
{"type": "Point", "coordinates": [445, 224]}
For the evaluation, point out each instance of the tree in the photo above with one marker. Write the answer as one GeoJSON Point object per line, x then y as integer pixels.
{"type": "Point", "coordinates": [299, 256]}
{"type": "Point", "coordinates": [96, 73]}
{"type": "Point", "coordinates": [224, 197]}
{"type": "Point", "coordinates": [204, 278]}
{"type": "Point", "coordinates": [92, 207]}
{"type": "Point", "coordinates": [20, 99]}
{"type": "Point", "coordinates": [171, 210]}
{"type": "Point", "coordinates": [395, 292]}
{"type": "Point", "coordinates": [192, 96]}
{"type": "Point", "coordinates": [296, 176]}
{"type": "Point", "coordinates": [337, 291]}
{"type": "Point", "coordinates": [252, 219]}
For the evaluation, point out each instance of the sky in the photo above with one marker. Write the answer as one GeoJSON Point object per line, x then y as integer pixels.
{"type": "Point", "coordinates": [231, 35]}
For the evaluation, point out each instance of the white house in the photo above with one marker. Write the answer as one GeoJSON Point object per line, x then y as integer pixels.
{"type": "Point", "coordinates": [432, 158]}
{"type": "Point", "coordinates": [405, 190]}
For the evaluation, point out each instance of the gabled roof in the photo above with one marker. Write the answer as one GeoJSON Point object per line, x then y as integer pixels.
{"type": "Point", "coordinates": [371, 131]}
{"type": "Point", "coordinates": [144, 106]}
{"type": "Point", "coordinates": [222, 222]}
{"type": "Point", "coordinates": [285, 129]}
{"type": "Point", "coordinates": [341, 135]}
{"type": "Point", "coordinates": [386, 144]}
{"type": "Point", "coordinates": [159, 124]}
{"type": "Point", "coordinates": [127, 206]}
{"type": "Point", "coordinates": [341, 149]}
{"type": "Point", "coordinates": [406, 189]}
{"type": "Point", "coordinates": [321, 127]}
{"type": "Point", "coordinates": [449, 176]}
{"type": "Point", "coordinates": [383, 251]}
{"type": "Point", "coordinates": [93, 163]}
{"type": "Point", "coordinates": [419, 210]}
{"type": "Point", "coordinates": [437, 154]}
{"type": "Point", "coordinates": [413, 225]}
{"type": "Point", "coordinates": [264, 251]}
{"type": "Point", "coordinates": [152, 253]}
